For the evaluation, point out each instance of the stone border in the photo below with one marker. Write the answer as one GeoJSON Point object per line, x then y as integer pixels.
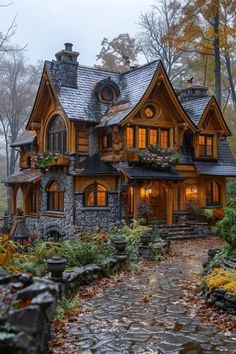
{"type": "Point", "coordinates": [222, 299]}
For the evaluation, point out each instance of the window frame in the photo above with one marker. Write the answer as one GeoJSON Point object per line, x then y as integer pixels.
{"type": "Point", "coordinates": [95, 192]}
{"type": "Point", "coordinates": [204, 146]}
{"type": "Point", "coordinates": [133, 138]}
{"type": "Point", "coordinates": [210, 202]}
{"type": "Point", "coordinates": [109, 141]}
{"type": "Point", "coordinates": [55, 198]}
{"type": "Point", "coordinates": [56, 138]}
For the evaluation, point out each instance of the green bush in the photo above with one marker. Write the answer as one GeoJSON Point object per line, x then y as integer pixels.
{"type": "Point", "coordinates": [226, 228]}
{"type": "Point", "coordinates": [66, 306]}
{"type": "Point", "coordinates": [81, 253]}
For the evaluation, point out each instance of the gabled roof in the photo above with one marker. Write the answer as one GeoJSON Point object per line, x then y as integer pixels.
{"type": "Point", "coordinates": [93, 166]}
{"type": "Point", "coordinates": [26, 138]}
{"type": "Point", "coordinates": [195, 107]}
{"type": "Point", "coordinates": [82, 103]}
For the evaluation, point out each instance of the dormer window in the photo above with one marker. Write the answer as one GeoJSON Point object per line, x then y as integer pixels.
{"type": "Point", "coordinates": [205, 145]}
{"type": "Point", "coordinates": [107, 94]}
{"type": "Point", "coordinates": [107, 91]}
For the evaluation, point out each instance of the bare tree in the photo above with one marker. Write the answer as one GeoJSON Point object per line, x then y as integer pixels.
{"type": "Point", "coordinates": [18, 83]}
{"type": "Point", "coordinates": [154, 38]}
{"type": "Point", "coordinates": [115, 54]}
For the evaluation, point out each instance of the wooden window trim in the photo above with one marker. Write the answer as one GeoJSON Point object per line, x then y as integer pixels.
{"type": "Point", "coordinates": [134, 140]}
{"type": "Point", "coordinates": [95, 192]}
{"type": "Point", "coordinates": [109, 141]}
{"type": "Point", "coordinates": [205, 154]}
{"type": "Point", "coordinates": [210, 202]}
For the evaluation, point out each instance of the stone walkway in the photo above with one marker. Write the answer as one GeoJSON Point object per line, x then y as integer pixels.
{"type": "Point", "coordinates": [147, 312]}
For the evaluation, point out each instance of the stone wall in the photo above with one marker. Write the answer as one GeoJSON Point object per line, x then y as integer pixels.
{"type": "Point", "coordinates": [30, 324]}
{"type": "Point", "coordinates": [92, 219]}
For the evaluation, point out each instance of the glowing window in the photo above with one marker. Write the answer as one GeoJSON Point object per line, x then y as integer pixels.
{"type": "Point", "coordinates": [150, 111]}
{"type": "Point", "coordinates": [130, 137]}
{"type": "Point", "coordinates": [95, 195]}
{"type": "Point", "coordinates": [142, 138]}
{"type": "Point", "coordinates": [153, 136]}
{"type": "Point", "coordinates": [164, 138]}
{"type": "Point", "coordinates": [205, 145]}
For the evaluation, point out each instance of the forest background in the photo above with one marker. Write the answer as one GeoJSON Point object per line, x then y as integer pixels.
{"type": "Point", "coordinates": [194, 39]}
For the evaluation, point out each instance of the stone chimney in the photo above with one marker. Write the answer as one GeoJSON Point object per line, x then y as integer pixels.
{"type": "Point", "coordinates": [67, 65]}
{"type": "Point", "coordinates": [192, 91]}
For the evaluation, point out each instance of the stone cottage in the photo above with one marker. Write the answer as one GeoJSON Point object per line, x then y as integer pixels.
{"type": "Point", "coordinates": [80, 164]}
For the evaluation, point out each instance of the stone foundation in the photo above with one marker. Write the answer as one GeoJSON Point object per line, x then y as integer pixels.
{"type": "Point", "coordinates": [92, 219]}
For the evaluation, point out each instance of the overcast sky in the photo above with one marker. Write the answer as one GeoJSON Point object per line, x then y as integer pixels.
{"type": "Point", "coordinates": [45, 25]}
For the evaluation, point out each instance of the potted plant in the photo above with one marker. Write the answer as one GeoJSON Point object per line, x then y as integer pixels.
{"type": "Point", "coordinates": [119, 241]}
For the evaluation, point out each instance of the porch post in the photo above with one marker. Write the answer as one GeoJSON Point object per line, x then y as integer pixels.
{"type": "Point", "coordinates": [169, 205]}
{"type": "Point", "coordinates": [136, 200]}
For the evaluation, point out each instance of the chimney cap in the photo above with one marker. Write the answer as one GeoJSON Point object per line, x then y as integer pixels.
{"type": "Point", "coordinates": [68, 46]}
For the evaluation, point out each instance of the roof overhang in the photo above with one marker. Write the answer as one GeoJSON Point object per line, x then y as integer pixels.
{"type": "Point", "coordinates": [23, 177]}
{"type": "Point", "coordinates": [213, 105]}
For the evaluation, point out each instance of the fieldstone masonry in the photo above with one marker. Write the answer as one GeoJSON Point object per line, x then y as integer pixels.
{"type": "Point", "coordinates": [88, 219]}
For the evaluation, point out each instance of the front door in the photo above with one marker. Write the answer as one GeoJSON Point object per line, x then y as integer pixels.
{"type": "Point", "coordinates": [157, 202]}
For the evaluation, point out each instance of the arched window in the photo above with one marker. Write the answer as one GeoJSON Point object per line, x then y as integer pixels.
{"type": "Point", "coordinates": [55, 197]}
{"type": "Point", "coordinates": [32, 200]}
{"type": "Point", "coordinates": [213, 194]}
{"type": "Point", "coordinates": [95, 195]}
{"type": "Point", "coordinates": [57, 135]}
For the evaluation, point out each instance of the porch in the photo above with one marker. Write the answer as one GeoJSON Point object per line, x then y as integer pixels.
{"type": "Point", "coordinates": [155, 195]}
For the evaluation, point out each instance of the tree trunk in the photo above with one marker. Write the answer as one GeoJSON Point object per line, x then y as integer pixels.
{"type": "Point", "coordinates": [216, 45]}
{"type": "Point", "coordinates": [231, 82]}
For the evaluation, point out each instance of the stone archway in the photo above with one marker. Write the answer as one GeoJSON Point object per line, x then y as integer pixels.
{"type": "Point", "coordinates": [53, 233]}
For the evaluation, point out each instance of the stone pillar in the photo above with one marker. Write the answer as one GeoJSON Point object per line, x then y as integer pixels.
{"type": "Point", "coordinates": [136, 200]}
{"type": "Point", "coordinates": [169, 205]}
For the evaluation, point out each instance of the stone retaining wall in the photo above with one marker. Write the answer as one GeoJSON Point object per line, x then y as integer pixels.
{"type": "Point", "coordinates": [27, 329]}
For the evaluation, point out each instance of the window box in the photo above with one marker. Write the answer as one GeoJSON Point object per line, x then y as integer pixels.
{"type": "Point", "coordinates": [132, 156]}
{"type": "Point", "coordinates": [60, 161]}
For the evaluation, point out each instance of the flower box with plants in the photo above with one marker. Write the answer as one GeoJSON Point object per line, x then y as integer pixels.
{"type": "Point", "coordinates": [47, 159]}
{"type": "Point", "coordinates": [154, 157]}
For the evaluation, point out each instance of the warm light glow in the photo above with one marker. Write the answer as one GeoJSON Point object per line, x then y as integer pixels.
{"type": "Point", "coordinates": [153, 136]}
{"type": "Point", "coordinates": [149, 111]}
{"type": "Point", "coordinates": [164, 138]}
{"type": "Point", "coordinates": [130, 137]}
{"type": "Point", "coordinates": [142, 138]}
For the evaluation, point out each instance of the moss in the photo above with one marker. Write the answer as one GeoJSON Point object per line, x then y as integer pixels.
{"type": "Point", "coordinates": [220, 278]}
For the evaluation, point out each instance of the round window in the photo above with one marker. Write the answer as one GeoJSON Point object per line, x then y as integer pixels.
{"type": "Point", "coordinates": [150, 111]}
{"type": "Point", "coordinates": [107, 94]}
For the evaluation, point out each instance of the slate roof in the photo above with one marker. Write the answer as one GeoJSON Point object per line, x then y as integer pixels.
{"type": "Point", "coordinates": [82, 103]}
{"type": "Point", "coordinates": [24, 176]}
{"type": "Point", "coordinates": [94, 166]}
{"type": "Point", "coordinates": [26, 138]}
{"type": "Point", "coordinates": [225, 166]}
{"type": "Point", "coordinates": [195, 107]}
{"type": "Point", "coordinates": [136, 172]}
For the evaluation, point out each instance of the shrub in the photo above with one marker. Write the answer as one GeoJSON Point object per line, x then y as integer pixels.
{"type": "Point", "coordinates": [66, 306]}
{"type": "Point", "coordinates": [226, 228]}
{"type": "Point", "coordinates": [220, 278]}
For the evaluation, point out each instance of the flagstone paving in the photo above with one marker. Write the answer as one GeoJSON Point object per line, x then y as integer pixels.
{"type": "Point", "coordinates": [147, 312]}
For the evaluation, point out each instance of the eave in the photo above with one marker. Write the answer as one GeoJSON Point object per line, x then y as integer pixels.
{"type": "Point", "coordinates": [213, 105]}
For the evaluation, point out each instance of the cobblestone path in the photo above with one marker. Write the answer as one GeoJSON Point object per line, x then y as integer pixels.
{"type": "Point", "coordinates": [147, 312]}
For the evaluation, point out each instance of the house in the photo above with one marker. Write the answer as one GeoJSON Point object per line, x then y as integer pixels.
{"type": "Point", "coordinates": [76, 169]}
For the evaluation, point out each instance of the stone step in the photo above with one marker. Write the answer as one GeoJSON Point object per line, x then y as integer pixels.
{"type": "Point", "coordinates": [186, 237]}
